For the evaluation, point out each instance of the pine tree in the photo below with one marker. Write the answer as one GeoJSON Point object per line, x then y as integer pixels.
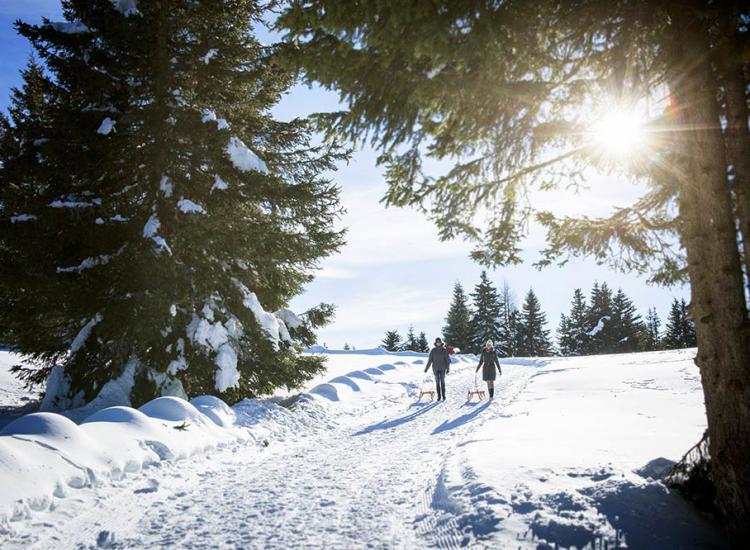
{"type": "Point", "coordinates": [627, 327]}
{"type": "Point", "coordinates": [457, 329]}
{"type": "Point", "coordinates": [680, 330]}
{"type": "Point", "coordinates": [410, 342]}
{"type": "Point", "coordinates": [508, 313]}
{"type": "Point", "coordinates": [156, 215]}
{"type": "Point", "coordinates": [485, 319]}
{"type": "Point", "coordinates": [652, 339]}
{"type": "Point", "coordinates": [533, 336]}
{"type": "Point", "coordinates": [512, 343]}
{"type": "Point", "coordinates": [392, 341]}
{"type": "Point", "coordinates": [423, 346]}
{"type": "Point", "coordinates": [599, 321]}
{"type": "Point", "coordinates": [573, 338]}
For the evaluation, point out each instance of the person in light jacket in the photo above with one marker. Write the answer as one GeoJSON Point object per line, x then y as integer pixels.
{"type": "Point", "coordinates": [489, 361]}
{"type": "Point", "coordinates": [441, 365]}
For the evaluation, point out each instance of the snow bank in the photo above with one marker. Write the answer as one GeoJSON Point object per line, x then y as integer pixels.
{"type": "Point", "coordinates": [44, 455]}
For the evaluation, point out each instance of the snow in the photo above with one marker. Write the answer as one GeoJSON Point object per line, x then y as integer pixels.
{"type": "Point", "coordinates": [243, 158]}
{"type": "Point", "coordinates": [106, 126]}
{"type": "Point", "coordinates": [270, 323]}
{"type": "Point", "coordinates": [187, 206]}
{"type": "Point", "coordinates": [68, 204]}
{"type": "Point", "coordinates": [165, 186]}
{"type": "Point", "coordinates": [118, 218]}
{"type": "Point", "coordinates": [291, 320]}
{"type": "Point", "coordinates": [150, 231]}
{"type": "Point", "coordinates": [22, 218]}
{"type": "Point", "coordinates": [87, 263]}
{"type": "Point", "coordinates": [599, 326]}
{"type": "Point", "coordinates": [209, 55]}
{"type": "Point", "coordinates": [127, 7]}
{"type": "Point", "coordinates": [568, 455]}
{"type": "Point", "coordinates": [219, 184]}
{"type": "Point", "coordinates": [84, 333]}
{"type": "Point", "coordinates": [71, 28]}
{"type": "Point", "coordinates": [227, 376]}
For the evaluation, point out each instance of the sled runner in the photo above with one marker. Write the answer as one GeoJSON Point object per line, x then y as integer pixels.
{"type": "Point", "coordinates": [425, 390]}
{"type": "Point", "coordinates": [476, 391]}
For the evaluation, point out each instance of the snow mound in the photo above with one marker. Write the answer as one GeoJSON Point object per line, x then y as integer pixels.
{"type": "Point", "coordinates": [215, 409]}
{"type": "Point", "coordinates": [172, 409]}
{"type": "Point", "coordinates": [43, 423]}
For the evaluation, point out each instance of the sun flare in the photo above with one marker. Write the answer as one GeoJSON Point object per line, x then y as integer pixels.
{"type": "Point", "coordinates": [619, 135]}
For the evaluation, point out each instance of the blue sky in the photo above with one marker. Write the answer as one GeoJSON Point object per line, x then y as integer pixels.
{"type": "Point", "coordinates": [394, 271]}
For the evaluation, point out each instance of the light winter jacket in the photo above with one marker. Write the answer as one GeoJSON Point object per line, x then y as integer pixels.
{"type": "Point", "coordinates": [489, 361]}
{"type": "Point", "coordinates": [439, 359]}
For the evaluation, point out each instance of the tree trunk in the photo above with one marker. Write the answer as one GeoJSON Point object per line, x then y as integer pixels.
{"type": "Point", "coordinates": [737, 136]}
{"type": "Point", "coordinates": [708, 234]}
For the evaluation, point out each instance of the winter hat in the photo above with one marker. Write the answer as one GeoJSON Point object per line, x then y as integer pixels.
{"type": "Point", "coordinates": [438, 340]}
{"type": "Point", "coordinates": [489, 344]}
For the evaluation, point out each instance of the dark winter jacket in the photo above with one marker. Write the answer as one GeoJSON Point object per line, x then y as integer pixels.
{"type": "Point", "coordinates": [439, 359]}
{"type": "Point", "coordinates": [489, 361]}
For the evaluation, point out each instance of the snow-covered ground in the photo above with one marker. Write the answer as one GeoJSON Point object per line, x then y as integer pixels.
{"type": "Point", "coordinates": [567, 455]}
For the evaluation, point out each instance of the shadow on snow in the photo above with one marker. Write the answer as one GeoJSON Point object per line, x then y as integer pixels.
{"type": "Point", "coordinates": [388, 424]}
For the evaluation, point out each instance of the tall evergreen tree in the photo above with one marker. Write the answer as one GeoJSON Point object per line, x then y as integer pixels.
{"type": "Point", "coordinates": [392, 341]}
{"type": "Point", "coordinates": [599, 320]}
{"type": "Point", "coordinates": [512, 342]}
{"type": "Point", "coordinates": [457, 329]}
{"type": "Point", "coordinates": [652, 340]}
{"type": "Point", "coordinates": [423, 346]}
{"type": "Point", "coordinates": [627, 327]}
{"type": "Point", "coordinates": [533, 335]}
{"type": "Point", "coordinates": [485, 319]}
{"type": "Point", "coordinates": [573, 337]}
{"type": "Point", "coordinates": [679, 331]}
{"type": "Point", "coordinates": [155, 214]}
{"type": "Point", "coordinates": [508, 314]}
{"type": "Point", "coordinates": [410, 342]}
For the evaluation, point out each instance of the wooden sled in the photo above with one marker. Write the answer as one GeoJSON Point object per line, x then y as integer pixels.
{"type": "Point", "coordinates": [471, 393]}
{"type": "Point", "coordinates": [431, 393]}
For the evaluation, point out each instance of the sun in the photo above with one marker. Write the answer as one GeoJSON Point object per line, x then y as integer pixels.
{"type": "Point", "coordinates": [619, 135]}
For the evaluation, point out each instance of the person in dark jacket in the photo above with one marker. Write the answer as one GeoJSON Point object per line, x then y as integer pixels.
{"type": "Point", "coordinates": [489, 361]}
{"type": "Point", "coordinates": [441, 365]}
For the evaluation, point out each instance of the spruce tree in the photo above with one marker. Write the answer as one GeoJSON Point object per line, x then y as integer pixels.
{"type": "Point", "coordinates": [457, 329]}
{"type": "Point", "coordinates": [508, 312]}
{"type": "Point", "coordinates": [652, 339]}
{"type": "Point", "coordinates": [423, 346]}
{"type": "Point", "coordinates": [410, 342]}
{"type": "Point", "coordinates": [599, 321]}
{"type": "Point", "coordinates": [392, 341]}
{"type": "Point", "coordinates": [155, 214]}
{"type": "Point", "coordinates": [511, 344]}
{"type": "Point", "coordinates": [573, 338]}
{"type": "Point", "coordinates": [679, 331]}
{"type": "Point", "coordinates": [627, 327]}
{"type": "Point", "coordinates": [485, 320]}
{"type": "Point", "coordinates": [533, 337]}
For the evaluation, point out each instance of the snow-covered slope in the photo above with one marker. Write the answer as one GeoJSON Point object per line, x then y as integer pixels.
{"type": "Point", "coordinates": [568, 455]}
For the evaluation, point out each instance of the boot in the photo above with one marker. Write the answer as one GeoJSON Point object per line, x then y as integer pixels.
{"type": "Point", "coordinates": [492, 393]}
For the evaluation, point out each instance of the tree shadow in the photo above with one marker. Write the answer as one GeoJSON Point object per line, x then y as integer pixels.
{"type": "Point", "coordinates": [388, 424]}
{"type": "Point", "coordinates": [461, 420]}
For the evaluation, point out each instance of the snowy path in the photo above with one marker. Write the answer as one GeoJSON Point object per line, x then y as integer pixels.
{"type": "Point", "coordinates": [373, 478]}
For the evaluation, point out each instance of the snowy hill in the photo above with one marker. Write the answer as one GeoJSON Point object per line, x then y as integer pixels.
{"type": "Point", "coordinates": [567, 455]}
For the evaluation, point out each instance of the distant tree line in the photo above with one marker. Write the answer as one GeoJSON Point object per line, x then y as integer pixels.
{"type": "Point", "coordinates": [412, 342]}
{"type": "Point", "coordinates": [607, 322]}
